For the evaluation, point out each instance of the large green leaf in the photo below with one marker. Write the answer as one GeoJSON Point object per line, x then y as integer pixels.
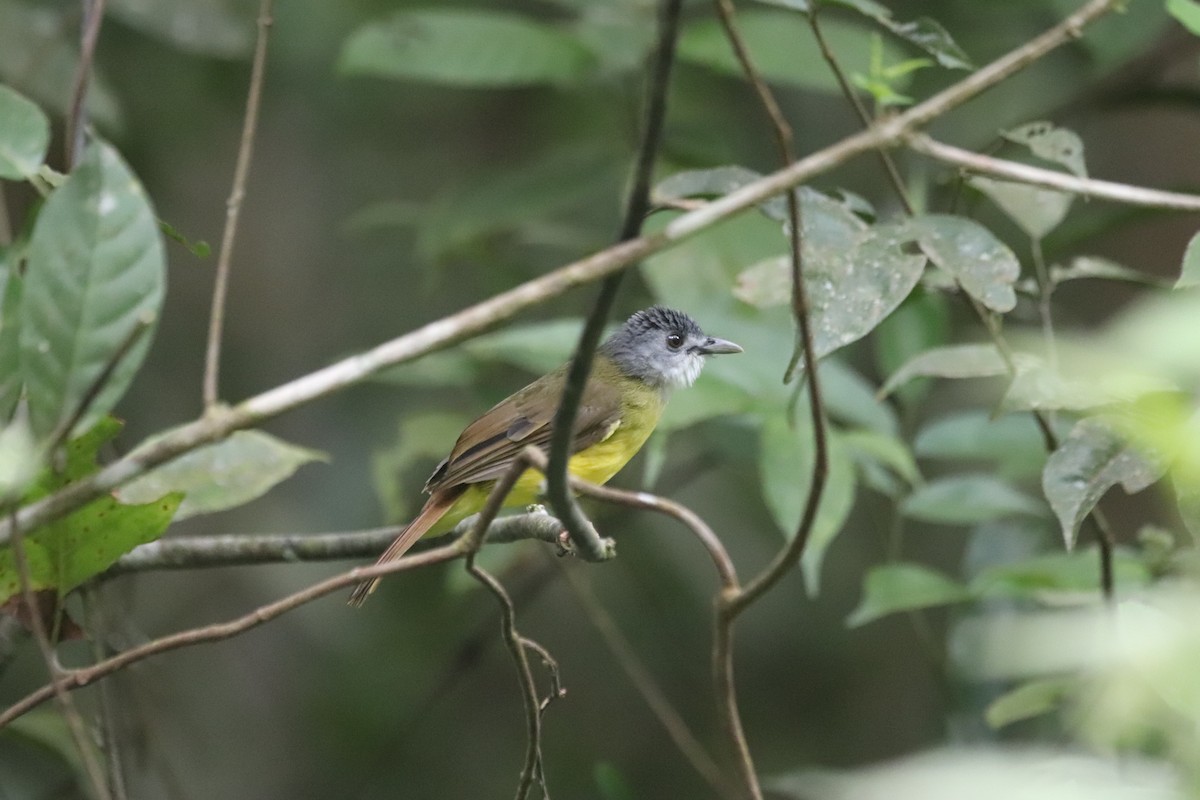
{"type": "Point", "coordinates": [465, 47]}
{"type": "Point", "coordinates": [1187, 12]}
{"type": "Point", "coordinates": [951, 361]}
{"type": "Point", "coordinates": [222, 28]}
{"type": "Point", "coordinates": [786, 468]}
{"type": "Point", "coordinates": [1093, 459]}
{"type": "Point", "coordinates": [24, 136]}
{"type": "Point", "coordinates": [95, 274]}
{"type": "Point", "coordinates": [920, 323]}
{"type": "Point", "coordinates": [1057, 573]}
{"type": "Point", "coordinates": [904, 587]}
{"type": "Point", "coordinates": [68, 551]}
{"type": "Point", "coordinates": [1013, 442]}
{"type": "Point", "coordinates": [968, 499]}
{"type": "Point", "coordinates": [223, 475]}
{"type": "Point", "coordinates": [783, 48]}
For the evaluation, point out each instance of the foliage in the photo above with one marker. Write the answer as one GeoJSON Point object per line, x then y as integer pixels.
{"type": "Point", "coordinates": [969, 414]}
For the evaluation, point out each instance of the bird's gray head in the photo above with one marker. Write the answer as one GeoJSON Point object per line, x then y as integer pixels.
{"type": "Point", "coordinates": [663, 347]}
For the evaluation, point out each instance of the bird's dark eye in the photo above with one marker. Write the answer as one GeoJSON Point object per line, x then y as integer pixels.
{"type": "Point", "coordinates": [674, 341]}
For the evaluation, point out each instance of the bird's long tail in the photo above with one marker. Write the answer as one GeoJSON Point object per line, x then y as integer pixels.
{"type": "Point", "coordinates": [435, 507]}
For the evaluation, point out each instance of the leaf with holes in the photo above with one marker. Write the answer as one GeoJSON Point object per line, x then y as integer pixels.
{"type": "Point", "coordinates": [95, 274]}
{"type": "Point", "coordinates": [904, 587]}
{"type": "Point", "coordinates": [1048, 142]}
{"type": "Point", "coordinates": [24, 136]}
{"type": "Point", "coordinates": [1093, 459]}
{"type": "Point", "coordinates": [64, 553]}
{"type": "Point", "coordinates": [224, 475]}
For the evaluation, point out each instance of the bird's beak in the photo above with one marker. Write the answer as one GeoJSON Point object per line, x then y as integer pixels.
{"type": "Point", "coordinates": [713, 346]}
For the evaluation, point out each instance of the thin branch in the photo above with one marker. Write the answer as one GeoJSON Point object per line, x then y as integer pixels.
{"type": "Point", "coordinates": [864, 116]}
{"type": "Point", "coordinates": [85, 402]}
{"type": "Point", "coordinates": [233, 208]}
{"type": "Point", "coordinates": [1052, 179]}
{"type": "Point", "coordinates": [228, 550]}
{"type": "Point", "coordinates": [474, 320]}
{"type": "Point", "coordinates": [76, 127]}
{"type": "Point", "coordinates": [641, 678]}
{"type": "Point", "coordinates": [76, 678]}
{"type": "Point", "coordinates": [58, 683]}
{"type": "Point", "coordinates": [587, 543]}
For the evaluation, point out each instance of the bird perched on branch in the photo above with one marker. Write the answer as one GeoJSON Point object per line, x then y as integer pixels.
{"type": "Point", "coordinates": [656, 350]}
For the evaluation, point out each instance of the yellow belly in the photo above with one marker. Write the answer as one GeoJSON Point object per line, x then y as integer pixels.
{"type": "Point", "coordinates": [596, 464]}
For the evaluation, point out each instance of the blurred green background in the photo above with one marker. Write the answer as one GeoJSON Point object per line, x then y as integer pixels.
{"type": "Point", "coordinates": [375, 205]}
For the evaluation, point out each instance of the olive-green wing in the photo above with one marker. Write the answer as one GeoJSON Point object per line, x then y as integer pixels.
{"type": "Point", "coordinates": [488, 446]}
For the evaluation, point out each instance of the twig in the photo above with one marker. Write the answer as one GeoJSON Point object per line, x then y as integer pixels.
{"type": "Point", "coordinates": [233, 208]}
{"type": "Point", "coordinates": [475, 319]}
{"type": "Point", "coordinates": [76, 678]}
{"type": "Point", "coordinates": [551, 664]}
{"type": "Point", "coordinates": [1052, 179]}
{"type": "Point", "coordinates": [73, 140]}
{"type": "Point", "coordinates": [641, 678]}
{"type": "Point", "coordinates": [508, 619]}
{"type": "Point", "coordinates": [58, 683]}
{"type": "Point", "coordinates": [587, 543]}
{"type": "Point", "coordinates": [885, 158]}
{"type": "Point", "coordinates": [111, 744]}
{"type": "Point", "coordinates": [64, 431]}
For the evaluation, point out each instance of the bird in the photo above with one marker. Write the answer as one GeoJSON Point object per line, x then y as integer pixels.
{"type": "Point", "coordinates": [656, 351]}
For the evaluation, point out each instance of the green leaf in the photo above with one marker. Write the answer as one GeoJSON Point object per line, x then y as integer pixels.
{"type": "Point", "coordinates": [786, 468]}
{"type": "Point", "coordinates": [1031, 699]}
{"type": "Point", "coordinates": [1089, 385]}
{"type": "Point", "coordinates": [1057, 573]}
{"type": "Point", "coordinates": [224, 475]}
{"type": "Point", "coordinates": [968, 499]}
{"type": "Point", "coordinates": [1012, 442]}
{"type": "Point", "coordinates": [1187, 12]}
{"type": "Point", "coordinates": [885, 450]}
{"type": "Point", "coordinates": [221, 28]}
{"type": "Point", "coordinates": [952, 361]}
{"type": "Point", "coordinates": [63, 554]}
{"type": "Point", "coordinates": [20, 460]}
{"type": "Point", "coordinates": [849, 398]}
{"type": "Point", "coordinates": [1189, 273]}
{"type": "Point", "coordinates": [983, 265]}
{"type": "Point", "coordinates": [1036, 209]}
{"type": "Point", "coordinates": [24, 136]}
{"type": "Point", "coordinates": [1050, 143]}
{"type": "Point", "coordinates": [11, 381]}
{"type": "Point", "coordinates": [713, 182]}
{"type": "Point", "coordinates": [904, 587]}
{"type": "Point", "coordinates": [462, 47]}
{"type": "Point", "coordinates": [1083, 267]}
{"type": "Point", "coordinates": [783, 48]}
{"type": "Point", "coordinates": [1093, 459]}
{"type": "Point", "coordinates": [1187, 499]}
{"type": "Point", "coordinates": [96, 272]}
